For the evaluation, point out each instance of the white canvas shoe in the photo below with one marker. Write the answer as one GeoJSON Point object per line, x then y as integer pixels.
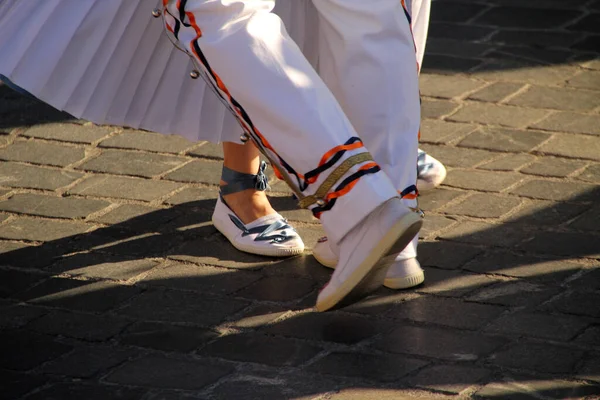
{"type": "Point", "coordinates": [270, 235]}
{"type": "Point", "coordinates": [402, 274]}
{"type": "Point", "coordinates": [430, 172]}
{"type": "Point", "coordinates": [366, 253]}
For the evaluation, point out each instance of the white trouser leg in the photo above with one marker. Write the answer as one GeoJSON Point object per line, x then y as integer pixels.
{"type": "Point", "coordinates": [244, 51]}
{"type": "Point", "coordinates": [367, 59]}
{"type": "Point", "coordinates": [420, 11]}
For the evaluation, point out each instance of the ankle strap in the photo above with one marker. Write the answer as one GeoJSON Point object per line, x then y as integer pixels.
{"type": "Point", "coordinates": [238, 181]}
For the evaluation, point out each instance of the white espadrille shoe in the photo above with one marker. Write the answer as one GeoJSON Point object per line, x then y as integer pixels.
{"type": "Point", "coordinates": [367, 252]}
{"type": "Point", "coordinates": [430, 172]}
{"type": "Point", "coordinates": [270, 235]}
{"type": "Point", "coordinates": [402, 274]}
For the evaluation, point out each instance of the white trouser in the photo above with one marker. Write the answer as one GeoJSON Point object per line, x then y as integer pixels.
{"type": "Point", "coordinates": [420, 11]}
{"type": "Point", "coordinates": [244, 51]}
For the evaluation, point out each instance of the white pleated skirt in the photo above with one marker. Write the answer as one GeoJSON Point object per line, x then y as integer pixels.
{"type": "Point", "coordinates": [109, 62]}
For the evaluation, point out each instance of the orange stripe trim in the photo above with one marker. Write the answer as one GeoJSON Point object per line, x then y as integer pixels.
{"type": "Point", "coordinates": [348, 188]}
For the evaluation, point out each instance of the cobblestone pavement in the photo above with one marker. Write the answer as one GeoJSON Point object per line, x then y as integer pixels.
{"type": "Point", "coordinates": [115, 285]}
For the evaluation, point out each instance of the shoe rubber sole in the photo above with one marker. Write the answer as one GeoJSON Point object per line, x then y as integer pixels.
{"type": "Point", "coordinates": [261, 251]}
{"type": "Point", "coordinates": [404, 282]}
{"type": "Point", "coordinates": [370, 274]}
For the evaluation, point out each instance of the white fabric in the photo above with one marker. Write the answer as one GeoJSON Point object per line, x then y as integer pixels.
{"type": "Point", "coordinates": [108, 61]}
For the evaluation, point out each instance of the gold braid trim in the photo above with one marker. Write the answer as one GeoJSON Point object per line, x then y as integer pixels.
{"type": "Point", "coordinates": [335, 176]}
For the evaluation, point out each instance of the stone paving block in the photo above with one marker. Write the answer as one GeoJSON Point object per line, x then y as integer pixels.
{"type": "Point", "coordinates": [482, 180]}
{"type": "Point", "coordinates": [76, 133]}
{"type": "Point", "coordinates": [132, 163]}
{"type": "Point", "coordinates": [510, 162]}
{"type": "Point", "coordinates": [42, 153]}
{"type": "Point", "coordinates": [449, 378]}
{"type": "Point", "coordinates": [550, 166]}
{"type": "Point", "coordinates": [166, 337]}
{"type": "Point", "coordinates": [436, 199]}
{"type": "Point", "coordinates": [447, 30]}
{"type": "Point", "coordinates": [257, 348]}
{"type": "Point", "coordinates": [88, 327]}
{"type": "Point", "coordinates": [503, 235]}
{"type": "Point", "coordinates": [577, 303]}
{"type": "Point", "coordinates": [516, 294]}
{"type": "Point", "coordinates": [546, 326]}
{"type": "Point", "coordinates": [40, 229]}
{"type": "Point", "coordinates": [13, 281]}
{"type": "Point", "coordinates": [149, 141]}
{"type": "Point", "coordinates": [504, 139]}
{"type": "Point", "coordinates": [162, 372]}
{"type": "Point", "coordinates": [590, 43]}
{"type": "Point", "coordinates": [446, 255]}
{"type": "Point", "coordinates": [126, 244]}
{"type": "Point", "coordinates": [589, 23]}
{"type": "Point", "coordinates": [458, 157]}
{"type": "Point", "coordinates": [22, 350]}
{"type": "Point", "coordinates": [449, 312]}
{"type": "Point", "coordinates": [87, 361]}
{"type": "Point", "coordinates": [525, 73]}
{"type": "Point", "coordinates": [277, 288]}
{"type": "Point", "coordinates": [456, 48]}
{"type": "Point", "coordinates": [258, 316]}
{"type": "Point", "coordinates": [435, 223]}
{"type": "Point", "coordinates": [529, 18]}
{"type": "Point", "coordinates": [27, 176]}
{"type": "Point", "coordinates": [547, 213]}
{"type": "Point", "coordinates": [354, 393]}
{"type": "Point", "coordinates": [590, 336]}
{"type": "Point", "coordinates": [383, 368]}
{"type": "Point", "coordinates": [436, 343]}
{"type": "Point", "coordinates": [570, 122]}
{"type": "Point", "coordinates": [536, 38]}
{"type": "Point", "coordinates": [530, 55]}
{"type": "Point", "coordinates": [557, 191]}
{"type": "Point", "coordinates": [496, 92]}
{"type": "Point", "coordinates": [455, 12]}
{"type": "Point", "coordinates": [75, 390]}
{"type": "Point", "coordinates": [124, 188]}
{"type": "Point", "coordinates": [494, 114]}
{"type": "Point", "coordinates": [21, 255]}
{"type": "Point", "coordinates": [453, 283]}
{"type": "Point", "coordinates": [17, 315]}
{"type": "Point", "coordinates": [432, 108]}
{"type": "Point", "coordinates": [588, 281]}
{"type": "Point", "coordinates": [208, 150]}
{"type": "Point", "coordinates": [575, 146]}
{"type": "Point", "coordinates": [138, 218]}
{"type": "Point", "coordinates": [539, 357]}
{"type": "Point", "coordinates": [437, 131]}
{"type": "Point", "coordinates": [591, 371]}
{"type": "Point", "coordinates": [17, 384]}
{"type": "Point", "coordinates": [586, 80]}
{"type": "Point", "coordinates": [191, 196]}
{"type": "Point", "coordinates": [183, 307]}
{"type": "Point", "coordinates": [446, 86]}
{"type": "Point", "coordinates": [267, 384]}
{"type": "Point", "coordinates": [52, 206]}
{"type": "Point", "coordinates": [557, 98]}
{"type": "Point", "coordinates": [330, 327]}
{"type": "Point", "coordinates": [483, 205]}
{"type": "Point", "coordinates": [591, 174]}
{"type": "Point", "coordinates": [535, 269]}
{"type": "Point", "coordinates": [534, 387]}
{"type": "Point", "coordinates": [216, 250]}
{"type": "Point", "coordinates": [201, 278]}
{"type": "Point", "coordinates": [79, 295]}
{"type": "Point", "coordinates": [197, 172]}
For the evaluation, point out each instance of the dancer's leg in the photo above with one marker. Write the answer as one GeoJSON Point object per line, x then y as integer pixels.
{"type": "Point", "coordinates": [245, 53]}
